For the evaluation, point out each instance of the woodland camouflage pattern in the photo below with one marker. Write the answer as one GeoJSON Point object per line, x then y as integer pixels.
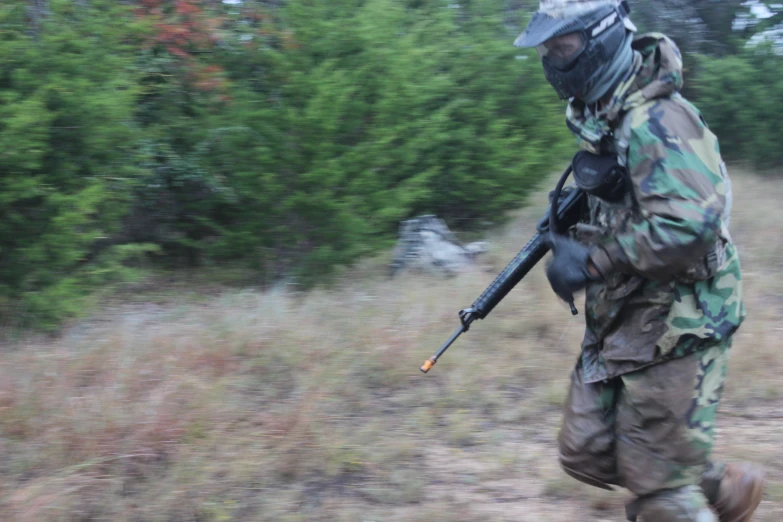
{"type": "Point", "coordinates": [672, 275]}
{"type": "Point", "coordinates": [641, 409]}
{"type": "Point", "coordinates": [571, 8]}
{"type": "Point", "coordinates": [676, 401]}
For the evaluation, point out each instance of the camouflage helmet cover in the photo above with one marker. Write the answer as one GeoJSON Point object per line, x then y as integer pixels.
{"type": "Point", "coordinates": [559, 17]}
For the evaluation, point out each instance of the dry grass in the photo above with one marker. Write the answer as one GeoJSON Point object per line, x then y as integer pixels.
{"type": "Point", "coordinates": [275, 407]}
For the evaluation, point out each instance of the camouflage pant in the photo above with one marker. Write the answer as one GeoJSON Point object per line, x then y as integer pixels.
{"type": "Point", "coordinates": [647, 431]}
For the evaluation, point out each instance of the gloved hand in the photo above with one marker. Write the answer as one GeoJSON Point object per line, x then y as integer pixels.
{"type": "Point", "coordinates": [571, 269]}
{"type": "Point", "coordinates": [543, 224]}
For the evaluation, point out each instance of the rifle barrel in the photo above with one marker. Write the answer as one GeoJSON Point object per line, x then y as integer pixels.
{"type": "Point", "coordinates": [429, 363]}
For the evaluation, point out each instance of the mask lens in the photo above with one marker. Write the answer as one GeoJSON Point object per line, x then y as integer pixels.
{"type": "Point", "coordinates": [562, 50]}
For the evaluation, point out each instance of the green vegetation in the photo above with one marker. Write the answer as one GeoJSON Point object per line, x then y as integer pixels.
{"type": "Point", "coordinates": [740, 98]}
{"type": "Point", "coordinates": [288, 140]}
{"type": "Point", "coordinates": [282, 139]}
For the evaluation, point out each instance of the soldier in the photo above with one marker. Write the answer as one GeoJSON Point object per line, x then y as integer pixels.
{"type": "Point", "coordinates": [660, 271]}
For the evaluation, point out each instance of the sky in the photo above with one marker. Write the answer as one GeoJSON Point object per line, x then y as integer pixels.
{"type": "Point", "coordinates": [759, 10]}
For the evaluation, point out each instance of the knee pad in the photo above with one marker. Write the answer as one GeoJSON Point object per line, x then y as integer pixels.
{"type": "Point", "coordinates": [686, 504]}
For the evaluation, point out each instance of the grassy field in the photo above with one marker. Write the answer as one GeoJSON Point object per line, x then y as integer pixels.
{"type": "Point", "coordinates": [272, 407]}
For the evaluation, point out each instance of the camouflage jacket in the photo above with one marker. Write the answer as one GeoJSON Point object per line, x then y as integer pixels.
{"type": "Point", "coordinates": [672, 280]}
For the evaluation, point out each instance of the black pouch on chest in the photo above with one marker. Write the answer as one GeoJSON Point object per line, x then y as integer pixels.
{"type": "Point", "coordinates": [601, 176]}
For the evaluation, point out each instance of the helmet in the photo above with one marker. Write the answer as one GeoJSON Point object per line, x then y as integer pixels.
{"type": "Point", "coordinates": [576, 39]}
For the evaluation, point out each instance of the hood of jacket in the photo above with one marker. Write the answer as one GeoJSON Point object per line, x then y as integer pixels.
{"type": "Point", "coordinates": [656, 73]}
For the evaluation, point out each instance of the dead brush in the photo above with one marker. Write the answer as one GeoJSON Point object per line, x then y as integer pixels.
{"type": "Point", "coordinates": [8, 399]}
{"type": "Point", "coordinates": [291, 436]}
{"type": "Point", "coordinates": [253, 406]}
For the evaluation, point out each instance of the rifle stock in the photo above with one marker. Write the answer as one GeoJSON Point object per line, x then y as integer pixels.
{"type": "Point", "coordinates": [568, 213]}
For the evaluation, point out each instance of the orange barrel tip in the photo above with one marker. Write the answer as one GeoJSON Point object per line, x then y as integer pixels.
{"type": "Point", "coordinates": [427, 366]}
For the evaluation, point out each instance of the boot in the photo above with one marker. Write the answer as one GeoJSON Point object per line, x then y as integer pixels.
{"type": "Point", "coordinates": [739, 492]}
{"type": "Point", "coordinates": [684, 504]}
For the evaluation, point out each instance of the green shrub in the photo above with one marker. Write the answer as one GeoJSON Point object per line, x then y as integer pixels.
{"type": "Point", "coordinates": [739, 97]}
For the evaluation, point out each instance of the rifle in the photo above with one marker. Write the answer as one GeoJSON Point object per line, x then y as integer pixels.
{"type": "Point", "coordinates": [568, 213]}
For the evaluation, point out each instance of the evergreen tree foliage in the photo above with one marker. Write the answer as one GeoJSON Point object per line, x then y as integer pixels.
{"type": "Point", "coordinates": [289, 137]}
{"type": "Point", "coordinates": [68, 89]}
{"type": "Point", "coordinates": [740, 98]}
{"type": "Point", "coordinates": [346, 117]}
